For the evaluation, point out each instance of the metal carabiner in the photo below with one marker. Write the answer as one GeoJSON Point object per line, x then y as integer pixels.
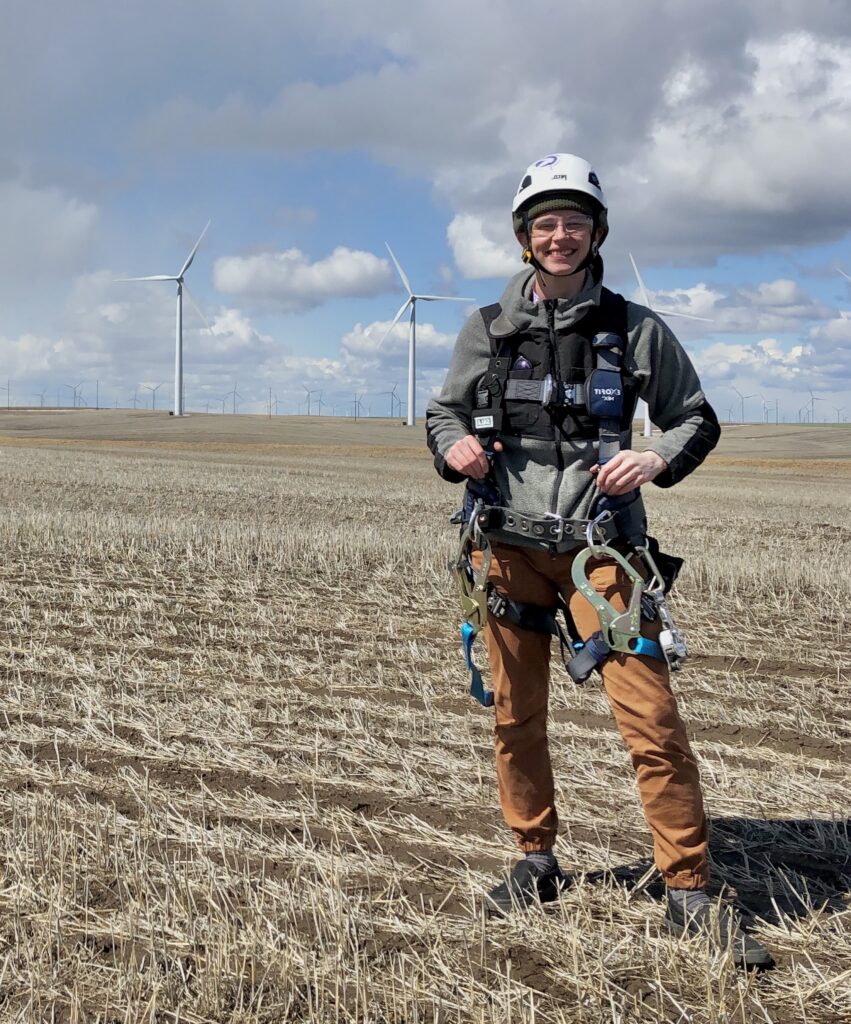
{"type": "Point", "coordinates": [599, 550]}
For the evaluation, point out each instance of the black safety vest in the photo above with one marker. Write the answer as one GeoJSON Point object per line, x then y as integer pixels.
{"type": "Point", "coordinates": [556, 385]}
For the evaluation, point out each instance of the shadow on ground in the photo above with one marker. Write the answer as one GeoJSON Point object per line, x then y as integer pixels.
{"type": "Point", "coordinates": [783, 868]}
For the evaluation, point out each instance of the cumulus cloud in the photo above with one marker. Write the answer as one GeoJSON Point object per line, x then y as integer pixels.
{"type": "Point", "coordinates": [778, 306]}
{"type": "Point", "coordinates": [291, 282]}
{"type": "Point", "coordinates": [46, 233]}
{"type": "Point", "coordinates": [764, 165]}
{"type": "Point", "coordinates": [731, 139]}
{"type": "Point", "coordinates": [738, 134]}
{"type": "Point", "coordinates": [477, 254]}
{"type": "Point", "coordinates": [724, 361]}
{"type": "Point", "coordinates": [369, 347]}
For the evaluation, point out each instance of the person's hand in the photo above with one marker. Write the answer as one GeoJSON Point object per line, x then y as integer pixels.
{"type": "Point", "coordinates": [628, 470]}
{"type": "Point", "coordinates": [468, 457]}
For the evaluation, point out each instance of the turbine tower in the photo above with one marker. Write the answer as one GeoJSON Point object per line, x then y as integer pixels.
{"type": "Point", "coordinates": [178, 331]}
{"type": "Point", "coordinates": [412, 332]}
{"type": "Point", "coordinates": [648, 302]}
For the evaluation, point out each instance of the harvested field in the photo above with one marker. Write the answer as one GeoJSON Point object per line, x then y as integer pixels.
{"type": "Point", "coordinates": [243, 782]}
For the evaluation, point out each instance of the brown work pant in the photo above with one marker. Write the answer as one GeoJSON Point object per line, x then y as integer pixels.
{"type": "Point", "coordinates": [639, 692]}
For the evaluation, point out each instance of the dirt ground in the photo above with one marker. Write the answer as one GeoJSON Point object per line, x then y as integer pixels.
{"type": "Point", "coordinates": [242, 780]}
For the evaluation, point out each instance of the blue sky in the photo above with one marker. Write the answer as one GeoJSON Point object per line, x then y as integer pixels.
{"type": "Point", "coordinates": [309, 137]}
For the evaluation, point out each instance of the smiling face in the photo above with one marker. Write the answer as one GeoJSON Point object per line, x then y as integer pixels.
{"type": "Point", "coordinates": [561, 240]}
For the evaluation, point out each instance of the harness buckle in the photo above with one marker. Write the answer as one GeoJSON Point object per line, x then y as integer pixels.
{"type": "Point", "coordinates": [497, 604]}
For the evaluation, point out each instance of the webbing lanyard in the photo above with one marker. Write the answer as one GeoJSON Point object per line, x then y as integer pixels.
{"type": "Point", "coordinates": [472, 590]}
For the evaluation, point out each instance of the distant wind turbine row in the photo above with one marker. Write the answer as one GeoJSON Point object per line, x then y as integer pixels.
{"type": "Point", "coordinates": [411, 300]}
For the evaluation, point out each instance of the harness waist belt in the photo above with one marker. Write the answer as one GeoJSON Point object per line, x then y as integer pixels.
{"type": "Point", "coordinates": [546, 530]}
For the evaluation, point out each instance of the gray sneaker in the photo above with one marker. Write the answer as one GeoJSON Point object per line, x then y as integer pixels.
{"type": "Point", "coordinates": [525, 886]}
{"type": "Point", "coordinates": [724, 930]}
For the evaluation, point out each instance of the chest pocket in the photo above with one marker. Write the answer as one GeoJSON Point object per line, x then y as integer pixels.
{"type": "Point", "coordinates": [530, 360]}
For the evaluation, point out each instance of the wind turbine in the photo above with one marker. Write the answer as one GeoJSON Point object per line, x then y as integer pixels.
{"type": "Point", "coordinates": [647, 299]}
{"type": "Point", "coordinates": [411, 301]}
{"type": "Point", "coordinates": [178, 332]}
{"type": "Point", "coordinates": [153, 391]}
{"type": "Point", "coordinates": [41, 394]}
{"type": "Point", "coordinates": [394, 398]}
{"type": "Point", "coordinates": [813, 400]}
{"type": "Point", "coordinates": [235, 395]}
{"type": "Point", "coordinates": [309, 392]}
{"type": "Point", "coordinates": [75, 388]}
{"type": "Point", "coordinates": [743, 397]}
{"type": "Point", "coordinates": [841, 271]}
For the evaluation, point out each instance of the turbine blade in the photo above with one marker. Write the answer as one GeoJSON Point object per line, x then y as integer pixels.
{"type": "Point", "coordinates": [444, 298]}
{"type": "Point", "coordinates": [645, 296]}
{"type": "Point", "coordinates": [197, 308]}
{"type": "Point", "coordinates": [154, 277]}
{"type": "Point", "coordinates": [841, 271]}
{"type": "Point", "coordinates": [396, 320]}
{"type": "Point", "coordinates": [402, 274]}
{"type": "Point", "coordinates": [191, 257]}
{"type": "Point", "coordinates": [685, 316]}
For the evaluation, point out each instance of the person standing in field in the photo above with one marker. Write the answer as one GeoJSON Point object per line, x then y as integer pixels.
{"type": "Point", "coordinates": [515, 415]}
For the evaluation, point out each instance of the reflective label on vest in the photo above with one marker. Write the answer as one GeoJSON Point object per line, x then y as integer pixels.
{"type": "Point", "coordinates": [483, 423]}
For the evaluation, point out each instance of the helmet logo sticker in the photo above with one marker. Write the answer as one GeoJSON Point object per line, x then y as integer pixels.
{"type": "Point", "coordinates": [593, 179]}
{"type": "Point", "coordinates": [525, 183]}
{"type": "Point", "coordinates": [547, 161]}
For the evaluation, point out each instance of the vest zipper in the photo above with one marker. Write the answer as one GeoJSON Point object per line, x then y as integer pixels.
{"type": "Point", "coordinates": [550, 305]}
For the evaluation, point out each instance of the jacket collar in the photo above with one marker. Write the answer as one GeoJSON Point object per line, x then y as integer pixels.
{"type": "Point", "coordinates": [519, 312]}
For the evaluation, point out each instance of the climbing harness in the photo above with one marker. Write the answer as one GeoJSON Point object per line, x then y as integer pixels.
{"type": "Point", "coordinates": [618, 632]}
{"type": "Point", "coordinates": [595, 406]}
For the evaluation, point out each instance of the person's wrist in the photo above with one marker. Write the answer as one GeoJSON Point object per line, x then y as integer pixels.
{"type": "Point", "coordinates": [655, 463]}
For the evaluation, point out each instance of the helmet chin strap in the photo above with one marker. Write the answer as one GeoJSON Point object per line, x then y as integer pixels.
{"type": "Point", "coordinates": [530, 258]}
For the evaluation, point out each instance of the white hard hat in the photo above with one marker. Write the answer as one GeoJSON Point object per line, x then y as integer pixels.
{"type": "Point", "coordinates": [558, 172]}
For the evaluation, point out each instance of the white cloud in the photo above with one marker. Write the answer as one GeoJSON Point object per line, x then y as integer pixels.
{"type": "Point", "coordinates": [477, 254]}
{"type": "Point", "coordinates": [291, 282]}
{"type": "Point", "coordinates": [836, 331]}
{"type": "Point", "coordinates": [46, 233]}
{"type": "Point", "coordinates": [725, 361]}
{"type": "Point", "coordinates": [362, 348]}
{"type": "Point", "coordinates": [780, 306]}
{"type": "Point", "coordinates": [765, 164]}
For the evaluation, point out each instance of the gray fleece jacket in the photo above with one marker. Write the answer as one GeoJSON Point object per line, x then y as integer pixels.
{"type": "Point", "coordinates": [538, 476]}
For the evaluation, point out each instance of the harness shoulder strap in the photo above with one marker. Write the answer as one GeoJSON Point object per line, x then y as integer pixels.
{"type": "Point", "coordinates": [605, 390]}
{"type": "Point", "coordinates": [487, 416]}
{"type": "Point", "coordinates": [488, 315]}
{"type": "Point", "coordinates": [612, 314]}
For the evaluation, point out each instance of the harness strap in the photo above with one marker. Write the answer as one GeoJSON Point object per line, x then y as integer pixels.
{"type": "Point", "coordinates": [477, 683]}
{"type": "Point", "coordinates": [546, 392]}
